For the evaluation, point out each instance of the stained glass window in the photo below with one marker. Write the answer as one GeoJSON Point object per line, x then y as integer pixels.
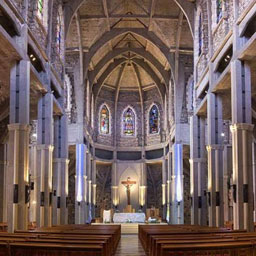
{"type": "Point", "coordinates": [40, 8]}
{"type": "Point", "coordinates": [58, 32]}
{"type": "Point", "coordinates": [200, 33]}
{"type": "Point", "coordinates": [104, 120]}
{"type": "Point", "coordinates": [219, 10]}
{"type": "Point", "coordinates": [153, 120]}
{"type": "Point", "coordinates": [129, 122]}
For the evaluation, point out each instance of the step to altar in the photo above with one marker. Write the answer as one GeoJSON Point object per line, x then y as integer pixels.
{"type": "Point", "coordinates": [127, 228]}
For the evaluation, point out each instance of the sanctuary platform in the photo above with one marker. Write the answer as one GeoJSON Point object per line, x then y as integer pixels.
{"type": "Point", "coordinates": [128, 228]}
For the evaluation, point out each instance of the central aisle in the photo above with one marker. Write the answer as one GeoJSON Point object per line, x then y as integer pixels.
{"type": "Point", "coordinates": [129, 245]}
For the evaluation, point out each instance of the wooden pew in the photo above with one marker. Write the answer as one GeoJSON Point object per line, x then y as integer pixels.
{"type": "Point", "coordinates": [3, 227]}
{"type": "Point", "coordinates": [160, 240]}
{"type": "Point", "coordinates": [221, 248]}
{"type": "Point", "coordinates": [113, 230]}
{"type": "Point", "coordinates": [62, 240]}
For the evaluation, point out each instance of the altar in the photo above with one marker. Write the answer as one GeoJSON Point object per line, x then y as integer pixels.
{"type": "Point", "coordinates": [138, 217]}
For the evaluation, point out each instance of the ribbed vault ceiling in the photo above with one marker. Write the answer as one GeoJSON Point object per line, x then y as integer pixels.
{"type": "Point", "coordinates": [152, 33]}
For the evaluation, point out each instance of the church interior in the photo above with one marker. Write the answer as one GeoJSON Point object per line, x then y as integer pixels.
{"type": "Point", "coordinates": [127, 127]}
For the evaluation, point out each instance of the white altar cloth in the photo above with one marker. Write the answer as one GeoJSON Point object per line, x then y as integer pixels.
{"type": "Point", "coordinates": [129, 217]}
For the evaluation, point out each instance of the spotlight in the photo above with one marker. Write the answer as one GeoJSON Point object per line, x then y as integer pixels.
{"type": "Point", "coordinates": [222, 134]}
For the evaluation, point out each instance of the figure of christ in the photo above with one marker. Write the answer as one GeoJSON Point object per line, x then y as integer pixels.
{"type": "Point", "coordinates": [128, 184]}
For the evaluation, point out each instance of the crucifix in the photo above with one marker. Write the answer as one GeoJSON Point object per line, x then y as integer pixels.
{"type": "Point", "coordinates": [128, 184]}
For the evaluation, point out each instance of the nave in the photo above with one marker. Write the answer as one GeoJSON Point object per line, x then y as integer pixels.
{"type": "Point", "coordinates": [130, 245]}
{"type": "Point", "coordinates": [127, 111]}
{"type": "Point", "coordinates": [108, 240]}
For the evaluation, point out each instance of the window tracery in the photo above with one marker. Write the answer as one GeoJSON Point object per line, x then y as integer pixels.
{"type": "Point", "coordinates": [59, 31]}
{"type": "Point", "coordinates": [200, 35]}
{"type": "Point", "coordinates": [129, 122]}
{"type": "Point", "coordinates": [153, 120]}
{"type": "Point", "coordinates": [104, 120]}
{"type": "Point", "coordinates": [40, 8]}
{"type": "Point", "coordinates": [219, 10]}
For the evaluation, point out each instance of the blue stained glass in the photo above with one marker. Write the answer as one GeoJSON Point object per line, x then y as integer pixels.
{"type": "Point", "coordinates": [219, 9]}
{"type": "Point", "coordinates": [58, 32]}
{"type": "Point", "coordinates": [129, 122]}
{"type": "Point", "coordinates": [153, 120]}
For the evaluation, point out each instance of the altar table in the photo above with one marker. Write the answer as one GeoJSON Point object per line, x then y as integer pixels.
{"type": "Point", "coordinates": [138, 217]}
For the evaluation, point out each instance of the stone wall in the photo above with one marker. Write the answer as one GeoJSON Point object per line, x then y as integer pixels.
{"type": "Point", "coordinates": [225, 24]}
{"type": "Point", "coordinates": [131, 99]}
{"type": "Point", "coordinates": [154, 186]}
{"type": "Point", "coordinates": [126, 99]}
{"type": "Point", "coordinates": [107, 97]}
{"type": "Point", "coordinates": [187, 202]}
{"type": "Point", "coordinates": [201, 60]}
{"type": "Point", "coordinates": [243, 4]}
{"type": "Point", "coordinates": [71, 188]}
{"type": "Point", "coordinates": [153, 97]}
{"type": "Point", "coordinates": [72, 60]}
{"type": "Point", "coordinates": [103, 193]}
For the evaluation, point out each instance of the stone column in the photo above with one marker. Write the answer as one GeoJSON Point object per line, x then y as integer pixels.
{"type": "Point", "coordinates": [60, 172]}
{"type": "Point", "coordinates": [93, 186]}
{"type": "Point", "coordinates": [3, 166]}
{"type": "Point", "coordinates": [80, 217]}
{"type": "Point", "coordinates": [198, 175]}
{"type": "Point", "coordinates": [87, 185]}
{"type": "Point", "coordinates": [177, 212]}
{"type": "Point", "coordinates": [242, 145]}
{"type": "Point", "coordinates": [227, 170]}
{"type": "Point", "coordinates": [44, 161]}
{"type": "Point", "coordinates": [143, 186]}
{"type": "Point", "coordinates": [164, 187]}
{"type": "Point", "coordinates": [215, 160]}
{"type": "Point", "coordinates": [114, 181]}
{"type": "Point", "coordinates": [169, 191]}
{"type": "Point", "coordinates": [33, 184]}
{"type": "Point", "coordinates": [254, 177]}
{"type": "Point", "coordinates": [18, 148]}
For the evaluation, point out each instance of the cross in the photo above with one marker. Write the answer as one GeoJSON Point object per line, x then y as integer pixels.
{"type": "Point", "coordinates": [128, 184]}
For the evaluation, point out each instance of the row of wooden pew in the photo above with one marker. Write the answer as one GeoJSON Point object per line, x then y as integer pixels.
{"type": "Point", "coordinates": [175, 240]}
{"type": "Point", "coordinates": [69, 240]}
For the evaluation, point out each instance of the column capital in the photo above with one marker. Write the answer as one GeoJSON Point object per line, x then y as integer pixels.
{"type": "Point", "coordinates": [241, 126]}
{"type": "Point", "coordinates": [215, 147]}
{"type": "Point", "coordinates": [18, 126]}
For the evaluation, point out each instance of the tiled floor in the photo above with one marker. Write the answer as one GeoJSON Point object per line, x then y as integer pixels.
{"type": "Point", "coordinates": [129, 245]}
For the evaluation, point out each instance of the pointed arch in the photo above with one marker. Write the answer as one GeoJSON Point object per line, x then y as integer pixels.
{"type": "Point", "coordinates": [219, 7]}
{"type": "Point", "coordinates": [42, 12]}
{"type": "Point", "coordinates": [59, 31]}
{"type": "Point", "coordinates": [153, 119]}
{"type": "Point", "coordinates": [92, 112]}
{"type": "Point", "coordinates": [104, 120]}
{"type": "Point", "coordinates": [200, 34]}
{"type": "Point", "coordinates": [40, 9]}
{"type": "Point", "coordinates": [129, 122]}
